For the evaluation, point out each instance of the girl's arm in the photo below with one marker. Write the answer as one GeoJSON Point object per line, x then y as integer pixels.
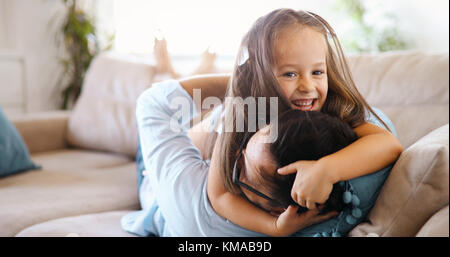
{"type": "Point", "coordinates": [241, 212]}
{"type": "Point", "coordinates": [228, 205]}
{"type": "Point", "coordinates": [233, 207]}
{"type": "Point", "coordinates": [375, 149]}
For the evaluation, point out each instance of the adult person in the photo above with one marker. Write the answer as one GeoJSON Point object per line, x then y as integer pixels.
{"type": "Point", "coordinates": [178, 204]}
{"type": "Point", "coordinates": [164, 63]}
{"type": "Point", "coordinates": [177, 174]}
{"type": "Point", "coordinates": [164, 66]}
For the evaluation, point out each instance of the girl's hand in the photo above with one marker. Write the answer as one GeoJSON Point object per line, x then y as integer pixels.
{"type": "Point", "coordinates": [312, 184]}
{"type": "Point", "coordinates": [290, 221]}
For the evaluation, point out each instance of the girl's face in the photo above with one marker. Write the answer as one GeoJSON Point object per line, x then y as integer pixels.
{"type": "Point", "coordinates": [300, 67]}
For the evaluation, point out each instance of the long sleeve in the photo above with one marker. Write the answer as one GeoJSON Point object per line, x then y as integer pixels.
{"type": "Point", "coordinates": [163, 114]}
{"type": "Point", "coordinates": [176, 172]}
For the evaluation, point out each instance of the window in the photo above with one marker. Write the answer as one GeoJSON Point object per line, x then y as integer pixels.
{"type": "Point", "coordinates": [192, 26]}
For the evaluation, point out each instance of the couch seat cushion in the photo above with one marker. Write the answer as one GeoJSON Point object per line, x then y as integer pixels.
{"type": "Point", "coordinates": [105, 224]}
{"type": "Point", "coordinates": [38, 196]}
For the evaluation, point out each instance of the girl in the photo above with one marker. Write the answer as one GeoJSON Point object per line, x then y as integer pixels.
{"type": "Point", "coordinates": [289, 54]}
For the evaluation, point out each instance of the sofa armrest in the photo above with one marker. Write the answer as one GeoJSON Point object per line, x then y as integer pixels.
{"type": "Point", "coordinates": [436, 226]}
{"type": "Point", "coordinates": [417, 187]}
{"type": "Point", "coordinates": [44, 131]}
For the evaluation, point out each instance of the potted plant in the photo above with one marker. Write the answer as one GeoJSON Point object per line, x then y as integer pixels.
{"type": "Point", "coordinates": [81, 45]}
{"type": "Point", "coordinates": [366, 37]}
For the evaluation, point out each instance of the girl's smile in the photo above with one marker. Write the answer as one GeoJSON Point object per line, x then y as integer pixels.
{"type": "Point", "coordinates": [304, 104]}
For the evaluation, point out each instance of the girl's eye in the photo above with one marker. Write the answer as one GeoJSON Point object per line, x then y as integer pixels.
{"type": "Point", "coordinates": [317, 72]}
{"type": "Point", "coordinates": [289, 74]}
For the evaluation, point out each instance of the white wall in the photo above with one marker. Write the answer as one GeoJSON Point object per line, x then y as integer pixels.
{"type": "Point", "coordinates": [29, 29]}
{"type": "Point", "coordinates": [223, 23]}
{"type": "Point", "coordinates": [2, 25]}
{"type": "Point", "coordinates": [426, 22]}
{"type": "Point", "coordinates": [423, 23]}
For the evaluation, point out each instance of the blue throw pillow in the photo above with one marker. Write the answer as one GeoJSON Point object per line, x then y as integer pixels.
{"type": "Point", "coordinates": [14, 156]}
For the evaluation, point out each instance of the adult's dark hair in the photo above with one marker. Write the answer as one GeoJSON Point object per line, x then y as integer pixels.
{"type": "Point", "coordinates": [304, 135]}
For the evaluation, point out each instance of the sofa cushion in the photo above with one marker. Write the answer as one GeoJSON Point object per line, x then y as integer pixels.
{"type": "Point", "coordinates": [417, 187]}
{"type": "Point", "coordinates": [35, 197]}
{"type": "Point", "coordinates": [401, 78]}
{"type": "Point", "coordinates": [104, 224]}
{"type": "Point", "coordinates": [104, 115]}
{"type": "Point", "coordinates": [414, 122]}
{"type": "Point", "coordinates": [410, 87]}
{"type": "Point", "coordinates": [437, 225]}
{"type": "Point", "coordinates": [14, 155]}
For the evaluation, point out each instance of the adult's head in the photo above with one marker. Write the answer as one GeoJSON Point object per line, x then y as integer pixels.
{"type": "Point", "coordinates": [301, 136]}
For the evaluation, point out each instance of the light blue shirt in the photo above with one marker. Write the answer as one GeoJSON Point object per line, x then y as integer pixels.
{"type": "Point", "coordinates": [173, 193]}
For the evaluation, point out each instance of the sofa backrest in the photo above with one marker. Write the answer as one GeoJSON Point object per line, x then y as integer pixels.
{"type": "Point", "coordinates": [104, 115]}
{"type": "Point", "coordinates": [412, 88]}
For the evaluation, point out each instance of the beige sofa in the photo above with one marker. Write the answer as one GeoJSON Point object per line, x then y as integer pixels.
{"type": "Point", "coordinates": [88, 181]}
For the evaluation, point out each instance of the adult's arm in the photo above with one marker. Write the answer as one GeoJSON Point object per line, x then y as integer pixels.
{"type": "Point", "coordinates": [175, 168]}
{"type": "Point", "coordinates": [210, 85]}
{"type": "Point", "coordinates": [156, 120]}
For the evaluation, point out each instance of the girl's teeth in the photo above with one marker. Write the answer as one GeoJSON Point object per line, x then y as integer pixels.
{"type": "Point", "coordinates": [303, 104]}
